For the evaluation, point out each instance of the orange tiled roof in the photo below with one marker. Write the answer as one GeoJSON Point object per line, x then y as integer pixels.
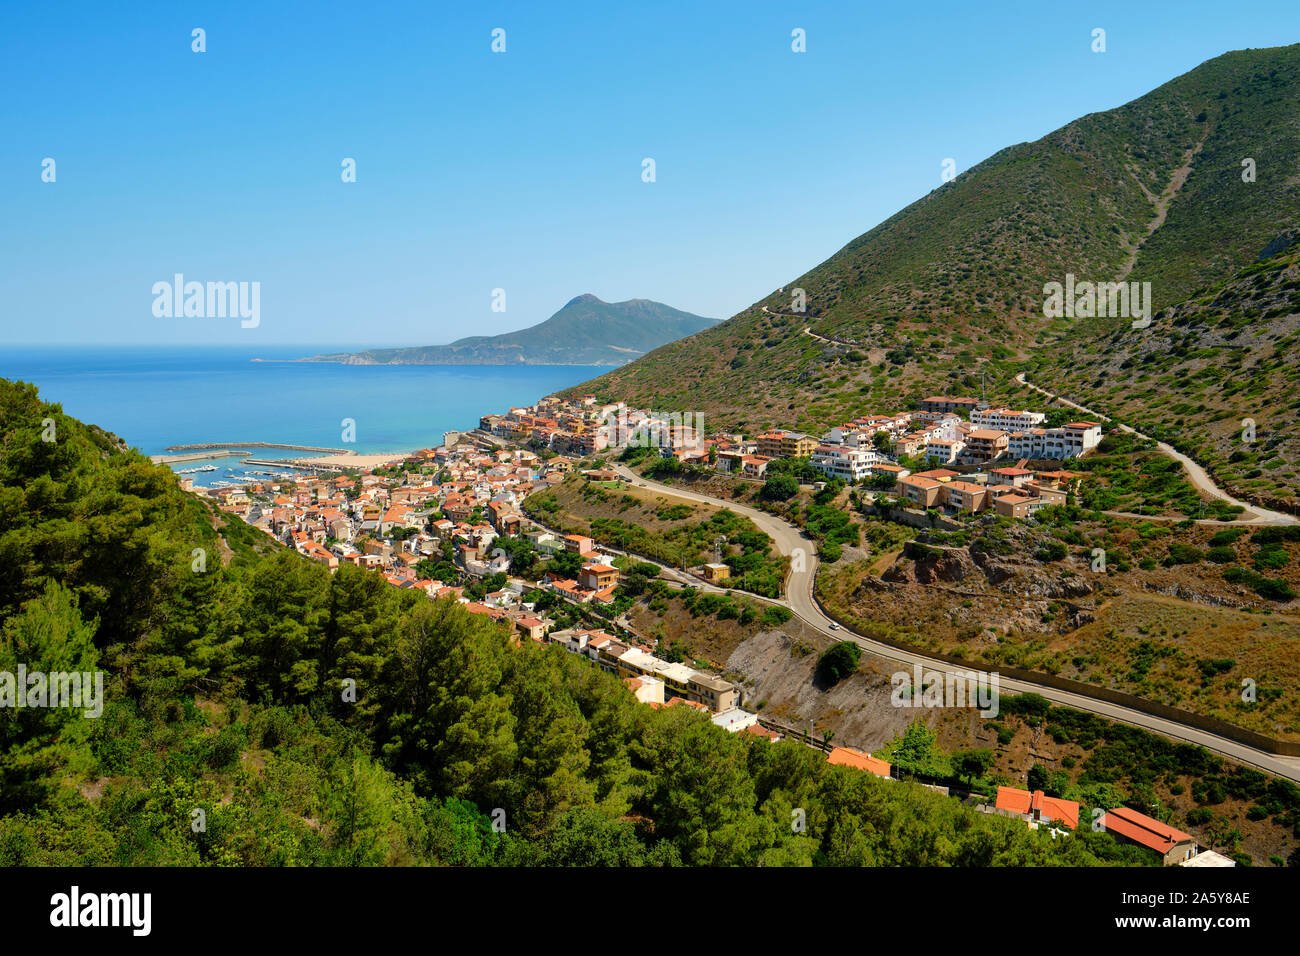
{"type": "Point", "coordinates": [851, 757]}
{"type": "Point", "coordinates": [1142, 829]}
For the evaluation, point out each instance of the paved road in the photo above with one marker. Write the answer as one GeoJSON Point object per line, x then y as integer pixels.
{"type": "Point", "coordinates": [799, 590]}
{"type": "Point", "coordinates": [1198, 476]}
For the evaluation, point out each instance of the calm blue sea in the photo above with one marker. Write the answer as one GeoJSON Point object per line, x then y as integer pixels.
{"type": "Point", "coordinates": [158, 396]}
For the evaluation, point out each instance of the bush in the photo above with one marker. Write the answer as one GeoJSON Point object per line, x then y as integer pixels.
{"type": "Point", "coordinates": [779, 488]}
{"type": "Point", "coordinates": [1274, 589]}
{"type": "Point", "coordinates": [838, 662]}
{"type": "Point", "coordinates": [1052, 551]}
{"type": "Point", "coordinates": [1180, 553]}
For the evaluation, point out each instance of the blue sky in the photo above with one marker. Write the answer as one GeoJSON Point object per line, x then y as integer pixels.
{"type": "Point", "coordinates": [521, 170]}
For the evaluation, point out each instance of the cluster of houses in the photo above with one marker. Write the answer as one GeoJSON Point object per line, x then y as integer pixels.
{"type": "Point", "coordinates": [1175, 847]}
{"type": "Point", "coordinates": [1058, 815]}
{"type": "Point", "coordinates": [1013, 491]}
{"type": "Point", "coordinates": [584, 427]}
{"type": "Point", "coordinates": [453, 502]}
{"type": "Point", "coordinates": [458, 499]}
{"type": "Point", "coordinates": [947, 431]}
{"type": "Point", "coordinates": [870, 445]}
{"type": "Point", "coordinates": [464, 503]}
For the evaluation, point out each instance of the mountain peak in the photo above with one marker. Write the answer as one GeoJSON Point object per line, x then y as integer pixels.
{"type": "Point", "coordinates": [585, 298]}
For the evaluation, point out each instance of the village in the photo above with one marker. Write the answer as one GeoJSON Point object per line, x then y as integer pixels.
{"type": "Point", "coordinates": [448, 521]}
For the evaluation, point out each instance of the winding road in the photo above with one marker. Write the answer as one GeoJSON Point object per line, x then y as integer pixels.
{"type": "Point", "coordinates": [1198, 476]}
{"type": "Point", "coordinates": [797, 544]}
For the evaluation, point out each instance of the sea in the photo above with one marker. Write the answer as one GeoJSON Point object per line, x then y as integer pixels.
{"type": "Point", "coordinates": [154, 397]}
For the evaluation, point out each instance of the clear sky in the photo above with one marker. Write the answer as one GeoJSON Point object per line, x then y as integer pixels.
{"type": "Point", "coordinates": [519, 170]}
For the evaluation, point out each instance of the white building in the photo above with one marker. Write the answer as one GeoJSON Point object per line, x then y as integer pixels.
{"type": "Point", "coordinates": [944, 449]}
{"type": "Point", "coordinates": [1006, 419]}
{"type": "Point", "coordinates": [735, 719]}
{"type": "Point", "coordinates": [844, 461]}
{"type": "Point", "coordinates": [1070, 441]}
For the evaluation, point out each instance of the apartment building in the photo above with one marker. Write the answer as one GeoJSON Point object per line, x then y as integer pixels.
{"type": "Point", "coordinates": [1006, 419]}
{"type": "Point", "coordinates": [713, 692]}
{"type": "Point", "coordinates": [1048, 494]}
{"type": "Point", "coordinates": [785, 444]}
{"type": "Point", "coordinates": [945, 450]}
{"type": "Point", "coordinates": [1011, 477]}
{"type": "Point", "coordinates": [985, 444]}
{"type": "Point", "coordinates": [947, 403]}
{"type": "Point", "coordinates": [843, 461]}
{"type": "Point", "coordinates": [882, 468]}
{"type": "Point", "coordinates": [598, 576]}
{"type": "Point", "coordinates": [579, 544]}
{"type": "Point", "coordinates": [965, 496]}
{"type": "Point", "coordinates": [1069, 441]}
{"type": "Point", "coordinates": [922, 492]}
{"type": "Point", "coordinates": [1014, 505]}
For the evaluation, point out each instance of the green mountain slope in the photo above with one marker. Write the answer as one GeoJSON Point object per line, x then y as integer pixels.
{"type": "Point", "coordinates": [587, 331]}
{"type": "Point", "coordinates": [952, 286]}
{"type": "Point", "coordinates": [1203, 373]}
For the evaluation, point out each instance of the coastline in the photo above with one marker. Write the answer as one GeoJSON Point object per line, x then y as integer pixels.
{"type": "Point", "coordinates": [320, 361]}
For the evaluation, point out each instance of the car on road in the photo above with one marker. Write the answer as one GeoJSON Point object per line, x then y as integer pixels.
{"type": "Point", "coordinates": [834, 626]}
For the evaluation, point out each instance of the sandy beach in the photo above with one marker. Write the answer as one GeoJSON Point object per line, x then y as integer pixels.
{"type": "Point", "coordinates": [355, 461]}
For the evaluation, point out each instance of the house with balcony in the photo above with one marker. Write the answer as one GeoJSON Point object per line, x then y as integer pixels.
{"type": "Point", "coordinates": [846, 462]}
{"type": "Point", "coordinates": [1010, 477]}
{"type": "Point", "coordinates": [965, 496]}
{"type": "Point", "coordinates": [944, 450]}
{"type": "Point", "coordinates": [921, 492]}
{"type": "Point", "coordinates": [985, 444]}
{"type": "Point", "coordinates": [947, 403]}
{"type": "Point", "coordinates": [785, 444]}
{"type": "Point", "coordinates": [1006, 419]}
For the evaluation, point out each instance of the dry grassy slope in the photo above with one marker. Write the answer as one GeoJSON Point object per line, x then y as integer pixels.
{"type": "Point", "coordinates": [953, 283]}
{"type": "Point", "coordinates": [1144, 631]}
{"type": "Point", "coordinates": [1204, 366]}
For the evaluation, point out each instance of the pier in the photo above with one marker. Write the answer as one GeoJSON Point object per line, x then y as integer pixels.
{"type": "Point", "coordinates": [256, 444]}
{"type": "Point", "coordinates": [296, 465]}
{"type": "Point", "coordinates": [221, 452]}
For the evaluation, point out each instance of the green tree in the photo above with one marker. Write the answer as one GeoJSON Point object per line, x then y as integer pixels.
{"type": "Point", "coordinates": [838, 662]}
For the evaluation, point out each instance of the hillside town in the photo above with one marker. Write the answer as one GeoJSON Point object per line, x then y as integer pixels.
{"type": "Point", "coordinates": [436, 522]}
{"type": "Point", "coordinates": [446, 521]}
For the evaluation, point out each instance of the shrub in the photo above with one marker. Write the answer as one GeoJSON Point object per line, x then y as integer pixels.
{"type": "Point", "coordinates": [839, 662]}
{"type": "Point", "coordinates": [779, 488]}
{"type": "Point", "coordinates": [1052, 551]}
{"type": "Point", "coordinates": [1180, 553]}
